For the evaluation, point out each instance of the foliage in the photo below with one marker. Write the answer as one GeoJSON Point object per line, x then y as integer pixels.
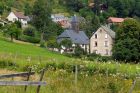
{"type": "Point", "coordinates": [52, 31]}
{"type": "Point", "coordinates": [18, 23]}
{"type": "Point", "coordinates": [79, 52]}
{"type": "Point", "coordinates": [52, 44]}
{"type": "Point", "coordinates": [1, 8]}
{"type": "Point", "coordinates": [27, 9]}
{"type": "Point", "coordinates": [66, 43]}
{"type": "Point", "coordinates": [12, 30]}
{"type": "Point", "coordinates": [29, 39]}
{"type": "Point", "coordinates": [30, 31]}
{"type": "Point", "coordinates": [41, 16]}
{"type": "Point", "coordinates": [127, 43]}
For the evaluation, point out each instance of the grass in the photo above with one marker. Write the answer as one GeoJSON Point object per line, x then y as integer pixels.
{"type": "Point", "coordinates": [62, 82]}
{"type": "Point", "coordinates": [105, 77]}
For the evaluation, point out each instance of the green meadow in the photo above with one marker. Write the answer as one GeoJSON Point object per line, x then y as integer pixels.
{"type": "Point", "coordinates": [93, 77]}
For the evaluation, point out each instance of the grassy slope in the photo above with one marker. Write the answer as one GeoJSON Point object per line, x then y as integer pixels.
{"type": "Point", "coordinates": [60, 80]}
{"type": "Point", "coordinates": [21, 52]}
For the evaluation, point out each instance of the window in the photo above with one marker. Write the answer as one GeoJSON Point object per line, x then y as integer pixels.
{"type": "Point", "coordinates": [100, 30]}
{"type": "Point", "coordinates": [95, 36]}
{"type": "Point", "coordinates": [106, 36]}
{"type": "Point", "coordinates": [95, 51]}
{"type": "Point", "coordinates": [106, 52]}
{"type": "Point", "coordinates": [14, 19]}
{"type": "Point", "coordinates": [83, 45]}
{"type": "Point", "coordinates": [106, 43]}
{"type": "Point", "coordinates": [96, 44]}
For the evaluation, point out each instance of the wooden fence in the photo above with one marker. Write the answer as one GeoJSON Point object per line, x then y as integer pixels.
{"type": "Point", "coordinates": [23, 83]}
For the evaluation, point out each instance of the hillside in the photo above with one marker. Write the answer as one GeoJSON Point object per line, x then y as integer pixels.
{"type": "Point", "coordinates": [23, 52]}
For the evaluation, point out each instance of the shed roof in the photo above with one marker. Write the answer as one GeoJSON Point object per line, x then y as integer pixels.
{"type": "Point", "coordinates": [115, 19]}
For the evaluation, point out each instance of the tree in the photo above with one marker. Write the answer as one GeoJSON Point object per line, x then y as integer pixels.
{"type": "Point", "coordinates": [52, 31]}
{"type": "Point", "coordinates": [30, 31]}
{"type": "Point", "coordinates": [66, 43]}
{"type": "Point", "coordinates": [12, 30]}
{"type": "Point", "coordinates": [27, 9]}
{"type": "Point", "coordinates": [1, 8]}
{"type": "Point", "coordinates": [79, 52]}
{"type": "Point", "coordinates": [127, 42]}
{"type": "Point", "coordinates": [41, 16]}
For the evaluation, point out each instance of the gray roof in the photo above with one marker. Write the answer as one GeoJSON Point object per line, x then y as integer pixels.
{"type": "Point", "coordinates": [77, 38]}
{"type": "Point", "coordinates": [109, 31]}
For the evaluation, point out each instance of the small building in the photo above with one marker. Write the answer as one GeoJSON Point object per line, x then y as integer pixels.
{"type": "Point", "coordinates": [102, 41]}
{"type": "Point", "coordinates": [18, 16]}
{"type": "Point", "coordinates": [115, 20]}
{"type": "Point", "coordinates": [76, 36]}
{"type": "Point", "coordinates": [61, 19]}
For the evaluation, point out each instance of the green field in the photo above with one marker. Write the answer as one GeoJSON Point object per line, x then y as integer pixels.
{"type": "Point", "coordinates": [93, 77]}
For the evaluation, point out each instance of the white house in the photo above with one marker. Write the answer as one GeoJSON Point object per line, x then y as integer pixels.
{"type": "Point", "coordinates": [102, 41]}
{"type": "Point", "coordinates": [18, 16]}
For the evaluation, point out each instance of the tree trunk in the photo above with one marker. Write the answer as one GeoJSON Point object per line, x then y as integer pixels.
{"type": "Point", "coordinates": [42, 37]}
{"type": "Point", "coordinates": [12, 38]}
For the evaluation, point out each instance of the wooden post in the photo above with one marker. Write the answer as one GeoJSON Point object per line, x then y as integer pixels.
{"type": "Point", "coordinates": [132, 87]}
{"type": "Point", "coordinates": [76, 73]}
{"type": "Point", "coordinates": [28, 77]}
{"type": "Point", "coordinates": [41, 78]}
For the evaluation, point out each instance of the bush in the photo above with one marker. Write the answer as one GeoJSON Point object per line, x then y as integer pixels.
{"type": "Point", "coordinates": [79, 52]}
{"type": "Point", "coordinates": [52, 44]}
{"type": "Point", "coordinates": [29, 31]}
{"type": "Point", "coordinates": [93, 56]}
{"type": "Point", "coordinates": [98, 57]}
{"type": "Point", "coordinates": [29, 39]}
{"type": "Point", "coordinates": [8, 64]}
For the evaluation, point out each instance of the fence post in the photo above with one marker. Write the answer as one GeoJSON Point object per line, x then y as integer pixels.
{"type": "Point", "coordinates": [28, 77]}
{"type": "Point", "coordinates": [41, 77]}
{"type": "Point", "coordinates": [76, 73]}
{"type": "Point", "coordinates": [132, 87]}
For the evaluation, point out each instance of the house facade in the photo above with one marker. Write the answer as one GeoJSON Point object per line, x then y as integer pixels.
{"type": "Point", "coordinates": [76, 36]}
{"type": "Point", "coordinates": [18, 16]}
{"type": "Point", "coordinates": [101, 41]}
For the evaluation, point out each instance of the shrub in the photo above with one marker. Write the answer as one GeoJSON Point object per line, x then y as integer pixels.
{"type": "Point", "coordinates": [29, 31]}
{"type": "Point", "coordinates": [52, 44]}
{"type": "Point", "coordinates": [79, 52]}
{"type": "Point", "coordinates": [29, 39]}
{"type": "Point", "coordinates": [98, 57]}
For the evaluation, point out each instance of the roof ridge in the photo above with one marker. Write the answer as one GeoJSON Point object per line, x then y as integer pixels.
{"type": "Point", "coordinates": [109, 31]}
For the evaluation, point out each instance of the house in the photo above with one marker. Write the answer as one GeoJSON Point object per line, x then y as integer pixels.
{"type": "Point", "coordinates": [18, 16]}
{"type": "Point", "coordinates": [101, 41]}
{"type": "Point", "coordinates": [115, 20]}
{"type": "Point", "coordinates": [61, 19]}
{"type": "Point", "coordinates": [76, 36]}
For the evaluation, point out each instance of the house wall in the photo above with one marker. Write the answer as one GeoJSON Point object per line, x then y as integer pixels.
{"type": "Point", "coordinates": [101, 39]}
{"type": "Point", "coordinates": [11, 17]}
